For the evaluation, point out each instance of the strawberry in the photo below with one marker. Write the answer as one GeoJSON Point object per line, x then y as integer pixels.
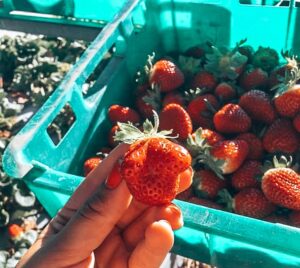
{"type": "Point", "coordinates": [281, 185]}
{"type": "Point", "coordinates": [149, 101]}
{"type": "Point", "coordinates": [198, 110]}
{"type": "Point", "coordinates": [287, 97]}
{"type": "Point", "coordinates": [15, 231]}
{"type": "Point", "coordinates": [90, 164]}
{"type": "Point", "coordinates": [252, 202]}
{"type": "Point", "coordinates": [205, 80]}
{"type": "Point", "coordinates": [294, 218]}
{"type": "Point", "coordinates": [207, 183]}
{"type": "Point", "coordinates": [231, 118]}
{"type": "Point", "coordinates": [118, 113]}
{"type": "Point", "coordinates": [257, 105]}
{"type": "Point", "coordinates": [253, 78]}
{"type": "Point", "coordinates": [265, 58]}
{"type": "Point", "coordinates": [225, 91]}
{"type": "Point", "coordinates": [166, 75]}
{"type": "Point", "coordinates": [296, 122]}
{"type": "Point", "coordinates": [277, 219]}
{"type": "Point", "coordinates": [205, 203]}
{"type": "Point", "coordinates": [225, 157]}
{"type": "Point", "coordinates": [152, 165]}
{"type": "Point", "coordinates": [276, 76]}
{"type": "Point", "coordinates": [173, 97]}
{"type": "Point", "coordinates": [174, 117]}
{"type": "Point", "coordinates": [256, 149]}
{"type": "Point", "coordinates": [246, 175]}
{"type": "Point", "coordinates": [281, 137]}
{"type": "Point", "coordinates": [111, 135]}
{"type": "Point", "coordinates": [211, 137]}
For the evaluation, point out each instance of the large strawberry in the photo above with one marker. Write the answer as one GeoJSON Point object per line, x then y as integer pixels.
{"type": "Point", "coordinates": [256, 149]}
{"type": "Point", "coordinates": [253, 78]}
{"type": "Point", "coordinates": [281, 137]}
{"type": "Point", "coordinates": [119, 113]}
{"type": "Point", "coordinates": [199, 110]}
{"type": "Point", "coordinates": [246, 175]}
{"type": "Point", "coordinates": [231, 118]}
{"type": "Point", "coordinates": [287, 97]}
{"type": "Point", "coordinates": [207, 183]}
{"type": "Point", "coordinates": [257, 104]}
{"type": "Point", "coordinates": [152, 166]}
{"type": "Point", "coordinates": [175, 117]}
{"type": "Point", "coordinates": [164, 74]}
{"type": "Point", "coordinates": [281, 185]}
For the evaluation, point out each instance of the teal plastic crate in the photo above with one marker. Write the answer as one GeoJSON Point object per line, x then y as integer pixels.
{"type": "Point", "coordinates": [52, 171]}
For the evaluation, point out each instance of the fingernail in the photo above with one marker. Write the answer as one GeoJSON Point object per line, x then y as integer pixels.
{"type": "Point", "coordinates": [114, 178]}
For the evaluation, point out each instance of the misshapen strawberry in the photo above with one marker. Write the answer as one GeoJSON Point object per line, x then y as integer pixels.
{"type": "Point", "coordinates": [281, 184]}
{"type": "Point", "coordinates": [175, 117]}
{"type": "Point", "coordinates": [152, 165]}
{"type": "Point", "coordinates": [231, 118]}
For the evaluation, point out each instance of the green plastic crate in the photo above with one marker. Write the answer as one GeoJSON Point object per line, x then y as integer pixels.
{"type": "Point", "coordinates": [52, 171]}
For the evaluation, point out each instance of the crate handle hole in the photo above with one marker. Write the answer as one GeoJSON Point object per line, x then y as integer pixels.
{"type": "Point", "coordinates": [61, 124]}
{"type": "Point", "coordinates": [277, 3]}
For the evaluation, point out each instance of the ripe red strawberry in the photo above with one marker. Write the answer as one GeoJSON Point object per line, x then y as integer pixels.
{"type": "Point", "coordinates": [246, 175]}
{"type": "Point", "coordinates": [257, 105]}
{"type": "Point", "coordinates": [111, 135]}
{"type": "Point", "coordinates": [118, 113]}
{"type": "Point", "coordinates": [205, 203]}
{"type": "Point", "coordinates": [205, 80]}
{"type": "Point", "coordinates": [198, 110]}
{"type": "Point", "coordinates": [173, 97]}
{"type": "Point", "coordinates": [287, 97]}
{"type": "Point", "coordinates": [211, 137]}
{"type": "Point", "coordinates": [252, 202]}
{"type": "Point", "coordinates": [256, 149]}
{"type": "Point", "coordinates": [15, 231]}
{"type": "Point", "coordinates": [90, 164]}
{"type": "Point", "coordinates": [231, 118]}
{"type": "Point", "coordinates": [207, 184]}
{"type": "Point", "coordinates": [277, 219]}
{"type": "Point", "coordinates": [296, 122]}
{"type": "Point", "coordinates": [226, 156]}
{"type": "Point", "coordinates": [288, 103]}
{"type": "Point", "coordinates": [174, 117]}
{"type": "Point", "coordinates": [281, 137]}
{"type": "Point", "coordinates": [281, 185]}
{"type": "Point", "coordinates": [253, 78]}
{"type": "Point", "coordinates": [225, 91]}
{"type": "Point", "coordinates": [294, 218]}
{"type": "Point", "coordinates": [152, 164]}
{"type": "Point", "coordinates": [166, 75]}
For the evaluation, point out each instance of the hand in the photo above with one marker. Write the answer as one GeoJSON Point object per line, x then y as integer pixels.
{"type": "Point", "coordinates": [102, 227]}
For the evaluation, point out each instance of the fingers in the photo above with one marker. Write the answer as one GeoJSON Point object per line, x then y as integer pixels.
{"type": "Point", "coordinates": [88, 228]}
{"type": "Point", "coordinates": [185, 179]}
{"type": "Point", "coordinates": [151, 251]}
{"type": "Point", "coordinates": [136, 230]}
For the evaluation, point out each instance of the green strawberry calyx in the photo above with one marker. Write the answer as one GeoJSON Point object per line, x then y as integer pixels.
{"type": "Point", "coordinates": [129, 133]}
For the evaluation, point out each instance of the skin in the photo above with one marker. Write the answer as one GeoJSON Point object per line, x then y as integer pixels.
{"type": "Point", "coordinates": [102, 226]}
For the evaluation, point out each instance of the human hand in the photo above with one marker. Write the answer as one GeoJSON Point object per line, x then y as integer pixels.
{"type": "Point", "coordinates": [100, 227]}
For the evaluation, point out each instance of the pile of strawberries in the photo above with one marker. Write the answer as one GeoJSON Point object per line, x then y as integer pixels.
{"type": "Point", "coordinates": [237, 112]}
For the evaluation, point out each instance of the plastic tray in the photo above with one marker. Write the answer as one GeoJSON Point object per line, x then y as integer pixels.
{"type": "Point", "coordinates": [51, 171]}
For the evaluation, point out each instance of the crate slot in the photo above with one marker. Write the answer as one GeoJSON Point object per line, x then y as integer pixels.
{"type": "Point", "coordinates": [61, 125]}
